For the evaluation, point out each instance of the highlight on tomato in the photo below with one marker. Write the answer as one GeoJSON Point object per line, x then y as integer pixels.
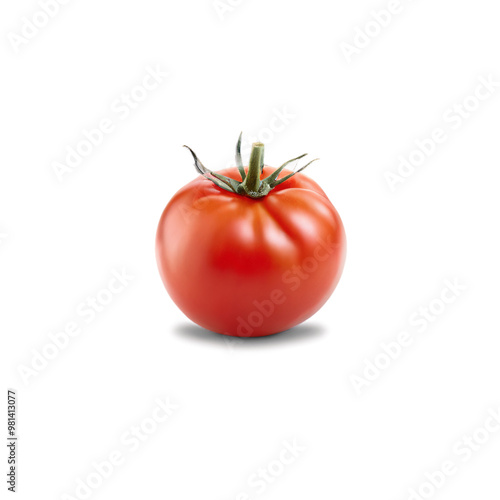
{"type": "Point", "coordinates": [250, 251]}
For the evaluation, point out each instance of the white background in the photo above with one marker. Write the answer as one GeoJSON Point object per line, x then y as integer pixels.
{"type": "Point", "coordinates": [238, 401]}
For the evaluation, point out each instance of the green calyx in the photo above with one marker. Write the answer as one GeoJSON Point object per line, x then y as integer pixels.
{"type": "Point", "coordinates": [250, 185]}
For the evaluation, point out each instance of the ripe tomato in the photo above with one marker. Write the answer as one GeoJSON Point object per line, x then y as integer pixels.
{"type": "Point", "coordinates": [249, 265]}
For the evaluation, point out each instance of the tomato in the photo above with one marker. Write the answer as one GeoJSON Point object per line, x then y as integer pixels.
{"type": "Point", "coordinates": [246, 264]}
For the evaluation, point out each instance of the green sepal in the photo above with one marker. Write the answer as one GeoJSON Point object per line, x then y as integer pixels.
{"type": "Point", "coordinates": [239, 161]}
{"type": "Point", "coordinates": [219, 180]}
{"type": "Point", "coordinates": [250, 185]}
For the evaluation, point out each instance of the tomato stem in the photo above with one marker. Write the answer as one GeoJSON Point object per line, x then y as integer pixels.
{"type": "Point", "coordinates": [251, 184]}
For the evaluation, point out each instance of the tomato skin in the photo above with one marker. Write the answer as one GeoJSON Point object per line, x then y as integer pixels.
{"type": "Point", "coordinates": [250, 267]}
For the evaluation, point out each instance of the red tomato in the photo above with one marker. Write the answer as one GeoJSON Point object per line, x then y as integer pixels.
{"type": "Point", "coordinates": [250, 267]}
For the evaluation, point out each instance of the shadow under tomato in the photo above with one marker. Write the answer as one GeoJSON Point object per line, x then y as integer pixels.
{"type": "Point", "coordinates": [300, 333]}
